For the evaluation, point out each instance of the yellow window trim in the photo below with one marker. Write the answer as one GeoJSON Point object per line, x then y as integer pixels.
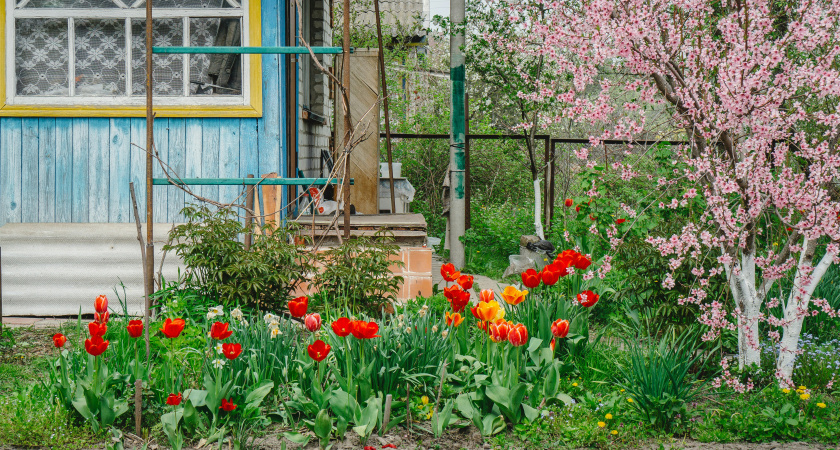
{"type": "Point", "coordinates": [254, 109]}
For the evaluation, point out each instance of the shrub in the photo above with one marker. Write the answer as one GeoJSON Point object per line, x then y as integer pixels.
{"type": "Point", "coordinates": [221, 267]}
{"type": "Point", "coordinates": [359, 272]}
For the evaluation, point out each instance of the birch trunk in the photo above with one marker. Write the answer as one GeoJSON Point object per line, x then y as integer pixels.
{"type": "Point", "coordinates": [797, 309]}
{"type": "Point", "coordinates": [537, 214]}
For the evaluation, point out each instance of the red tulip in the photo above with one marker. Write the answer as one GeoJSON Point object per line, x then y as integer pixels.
{"type": "Point", "coordinates": [466, 281]}
{"type": "Point", "coordinates": [135, 328]}
{"type": "Point", "coordinates": [448, 272]}
{"type": "Point", "coordinates": [460, 301]}
{"type": "Point", "coordinates": [364, 330]}
{"type": "Point", "coordinates": [101, 304]}
{"type": "Point", "coordinates": [219, 331]}
{"type": "Point", "coordinates": [342, 327]}
{"type": "Point", "coordinates": [486, 296]}
{"type": "Point", "coordinates": [560, 328]}
{"type": "Point", "coordinates": [531, 278]}
{"type": "Point", "coordinates": [592, 218]}
{"type": "Point", "coordinates": [577, 208]}
{"type": "Point", "coordinates": [368, 447]}
{"type": "Point", "coordinates": [298, 306]}
{"type": "Point", "coordinates": [499, 330]}
{"type": "Point", "coordinates": [101, 318]}
{"type": "Point", "coordinates": [312, 322]}
{"type": "Point", "coordinates": [587, 298]}
{"type": "Point", "coordinates": [518, 335]}
{"type": "Point", "coordinates": [569, 203]}
{"type": "Point", "coordinates": [452, 291]}
{"type": "Point", "coordinates": [318, 350]}
{"type": "Point", "coordinates": [174, 399]}
{"type": "Point", "coordinates": [95, 345]}
{"type": "Point", "coordinates": [389, 446]}
{"type": "Point", "coordinates": [552, 345]}
{"type": "Point", "coordinates": [581, 262]}
{"type": "Point", "coordinates": [550, 274]}
{"type": "Point", "coordinates": [59, 340]}
{"type": "Point", "coordinates": [227, 405]}
{"type": "Point", "coordinates": [231, 351]}
{"type": "Point", "coordinates": [173, 328]}
{"type": "Point", "coordinates": [565, 260]}
{"type": "Point", "coordinates": [97, 329]}
{"type": "Point", "coordinates": [789, 229]}
{"type": "Point", "coordinates": [620, 221]}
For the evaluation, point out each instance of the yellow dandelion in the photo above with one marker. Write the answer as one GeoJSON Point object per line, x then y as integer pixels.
{"type": "Point", "coordinates": [805, 396]}
{"type": "Point", "coordinates": [786, 391]}
{"type": "Point", "coordinates": [802, 388]}
{"type": "Point", "coordinates": [602, 424]}
{"type": "Point", "coordinates": [574, 384]}
{"type": "Point", "coordinates": [424, 399]}
{"type": "Point", "coordinates": [608, 417]}
{"type": "Point", "coordinates": [621, 390]}
{"type": "Point", "coordinates": [820, 405]}
{"type": "Point", "coordinates": [429, 416]}
{"type": "Point", "coordinates": [629, 399]}
{"type": "Point", "coordinates": [614, 432]}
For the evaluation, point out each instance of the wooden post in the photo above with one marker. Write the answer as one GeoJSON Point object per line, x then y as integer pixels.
{"type": "Point", "coordinates": [385, 107]}
{"type": "Point", "coordinates": [345, 81]}
{"type": "Point", "coordinates": [138, 406]}
{"type": "Point", "coordinates": [150, 142]}
{"type": "Point", "coordinates": [387, 417]}
{"type": "Point", "coordinates": [249, 213]}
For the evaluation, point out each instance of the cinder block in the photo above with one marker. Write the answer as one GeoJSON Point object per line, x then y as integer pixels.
{"type": "Point", "coordinates": [420, 260]}
{"type": "Point", "coordinates": [420, 287]}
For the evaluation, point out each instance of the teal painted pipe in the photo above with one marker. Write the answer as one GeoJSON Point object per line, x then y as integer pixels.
{"type": "Point", "coordinates": [248, 181]}
{"type": "Point", "coordinates": [250, 50]}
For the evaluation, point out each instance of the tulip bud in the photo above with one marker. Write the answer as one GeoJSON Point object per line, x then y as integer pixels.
{"type": "Point", "coordinates": [312, 322]}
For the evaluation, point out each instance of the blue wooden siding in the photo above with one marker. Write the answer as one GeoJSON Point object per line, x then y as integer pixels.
{"type": "Point", "coordinates": [78, 169]}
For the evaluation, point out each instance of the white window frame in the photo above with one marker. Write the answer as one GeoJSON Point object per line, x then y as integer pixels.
{"type": "Point", "coordinates": [128, 13]}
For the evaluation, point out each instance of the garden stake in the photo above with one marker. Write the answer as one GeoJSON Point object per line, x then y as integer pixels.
{"type": "Point", "coordinates": [387, 417]}
{"type": "Point", "coordinates": [138, 405]}
{"type": "Point", "coordinates": [440, 391]}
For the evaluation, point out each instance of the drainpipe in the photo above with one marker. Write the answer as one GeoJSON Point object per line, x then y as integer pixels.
{"type": "Point", "coordinates": [457, 202]}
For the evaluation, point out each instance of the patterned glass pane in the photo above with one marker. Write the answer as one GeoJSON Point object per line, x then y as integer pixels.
{"type": "Point", "coordinates": [67, 4]}
{"type": "Point", "coordinates": [186, 3]}
{"type": "Point", "coordinates": [100, 57]}
{"type": "Point", "coordinates": [41, 56]}
{"type": "Point", "coordinates": [168, 72]}
{"type": "Point", "coordinates": [215, 74]}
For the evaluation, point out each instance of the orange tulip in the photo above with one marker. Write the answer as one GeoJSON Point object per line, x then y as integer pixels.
{"type": "Point", "coordinates": [518, 335]}
{"type": "Point", "coordinates": [569, 202]}
{"type": "Point", "coordinates": [486, 296]}
{"type": "Point", "coordinates": [454, 319]}
{"type": "Point", "coordinates": [560, 328]}
{"type": "Point", "coordinates": [101, 304]}
{"type": "Point", "coordinates": [485, 311]}
{"type": "Point", "coordinates": [448, 272]}
{"type": "Point", "coordinates": [513, 296]}
{"type": "Point", "coordinates": [452, 291]}
{"type": "Point", "coordinates": [59, 340]}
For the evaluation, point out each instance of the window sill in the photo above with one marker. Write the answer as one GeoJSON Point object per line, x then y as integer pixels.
{"type": "Point", "coordinates": [129, 111]}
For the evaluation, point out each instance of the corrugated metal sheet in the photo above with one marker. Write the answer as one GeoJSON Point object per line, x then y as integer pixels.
{"type": "Point", "coordinates": [58, 269]}
{"type": "Point", "coordinates": [404, 12]}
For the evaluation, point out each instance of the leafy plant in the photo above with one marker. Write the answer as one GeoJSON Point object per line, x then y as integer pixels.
{"type": "Point", "coordinates": [219, 265]}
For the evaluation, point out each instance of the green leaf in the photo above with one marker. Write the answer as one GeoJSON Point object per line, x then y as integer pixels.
{"type": "Point", "coordinates": [530, 413]}
{"type": "Point", "coordinates": [256, 396]}
{"type": "Point", "coordinates": [323, 424]}
{"type": "Point", "coordinates": [297, 438]}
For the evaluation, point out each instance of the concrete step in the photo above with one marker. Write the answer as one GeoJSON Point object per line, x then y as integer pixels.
{"type": "Point", "coordinates": [56, 269]}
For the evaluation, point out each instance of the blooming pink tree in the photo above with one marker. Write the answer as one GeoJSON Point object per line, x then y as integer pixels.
{"type": "Point", "coordinates": [753, 85]}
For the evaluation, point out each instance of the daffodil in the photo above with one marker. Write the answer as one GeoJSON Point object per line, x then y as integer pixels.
{"type": "Point", "coordinates": [218, 363]}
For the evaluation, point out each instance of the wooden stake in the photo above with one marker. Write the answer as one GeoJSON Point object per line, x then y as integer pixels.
{"type": "Point", "coordinates": [138, 406]}
{"type": "Point", "coordinates": [387, 417]}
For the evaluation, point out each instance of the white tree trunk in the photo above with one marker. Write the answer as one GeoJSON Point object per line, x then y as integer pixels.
{"type": "Point", "coordinates": [537, 214]}
{"type": "Point", "coordinates": [742, 284]}
{"type": "Point", "coordinates": [796, 310]}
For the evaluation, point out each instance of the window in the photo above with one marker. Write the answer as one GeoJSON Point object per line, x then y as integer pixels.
{"type": "Point", "coordinates": [66, 54]}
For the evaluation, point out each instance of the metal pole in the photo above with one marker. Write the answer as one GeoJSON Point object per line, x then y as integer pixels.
{"type": "Point", "coordinates": [467, 175]}
{"type": "Point", "coordinates": [150, 140]}
{"type": "Point", "coordinates": [551, 183]}
{"type": "Point", "coordinates": [345, 81]}
{"type": "Point", "coordinates": [385, 106]}
{"type": "Point", "coordinates": [547, 212]}
{"type": "Point", "coordinates": [1, 292]}
{"type": "Point", "coordinates": [456, 133]}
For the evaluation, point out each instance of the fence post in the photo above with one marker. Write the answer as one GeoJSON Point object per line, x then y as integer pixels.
{"type": "Point", "coordinates": [249, 213]}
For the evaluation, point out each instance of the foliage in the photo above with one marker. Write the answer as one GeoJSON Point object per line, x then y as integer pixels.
{"type": "Point", "coordinates": [29, 418]}
{"type": "Point", "coordinates": [218, 263]}
{"type": "Point", "coordinates": [357, 273]}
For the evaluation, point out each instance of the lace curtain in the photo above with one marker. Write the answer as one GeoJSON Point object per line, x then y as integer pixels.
{"type": "Point", "coordinates": [44, 58]}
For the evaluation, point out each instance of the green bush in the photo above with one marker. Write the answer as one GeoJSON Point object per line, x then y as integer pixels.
{"type": "Point", "coordinates": [357, 273]}
{"type": "Point", "coordinates": [220, 266]}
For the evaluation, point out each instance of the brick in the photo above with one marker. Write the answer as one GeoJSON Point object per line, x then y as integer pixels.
{"type": "Point", "coordinates": [420, 287]}
{"type": "Point", "coordinates": [420, 260]}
